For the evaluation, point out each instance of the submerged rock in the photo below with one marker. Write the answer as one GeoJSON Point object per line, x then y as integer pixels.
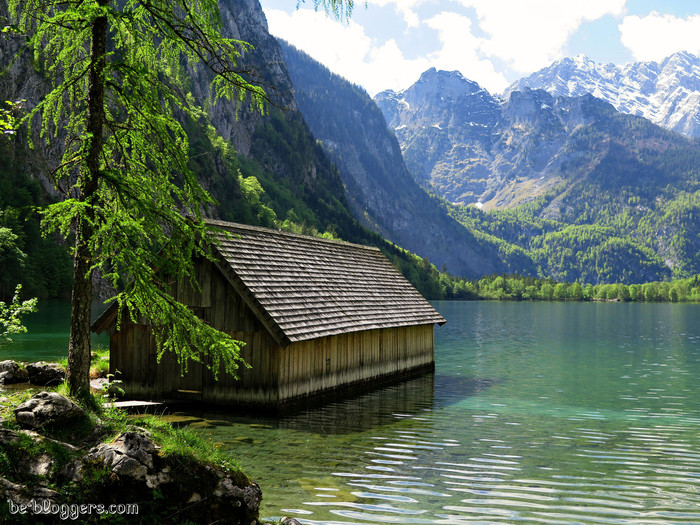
{"type": "Point", "coordinates": [47, 408]}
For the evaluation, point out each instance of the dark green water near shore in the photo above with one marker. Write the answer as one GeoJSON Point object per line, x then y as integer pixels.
{"type": "Point", "coordinates": [537, 413]}
{"type": "Point", "coordinates": [47, 333]}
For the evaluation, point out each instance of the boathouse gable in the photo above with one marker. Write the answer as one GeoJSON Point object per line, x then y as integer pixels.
{"type": "Point", "coordinates": [315, 315]}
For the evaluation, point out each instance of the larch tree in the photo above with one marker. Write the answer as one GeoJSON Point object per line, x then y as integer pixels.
{"type": "Point", "coordinates": [132, 203]}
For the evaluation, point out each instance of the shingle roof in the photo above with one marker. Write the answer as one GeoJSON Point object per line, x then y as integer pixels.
{"type": "Point", "coordinates": [304, 287]}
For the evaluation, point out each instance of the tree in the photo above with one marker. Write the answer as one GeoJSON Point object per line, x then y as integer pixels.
{"type": "Point", "coordinates": [546, 292]}
{"type": "Point", "coordinates": [576, 292]}
{"type": "Point", "coordinates": [11, 261]}
{"type": "Point", "coordinates": [8, 115]}
{"type": "Point", "coordinates": [11, 315]}
{"type": "Point", "coordinates": [132, 203]}
{"type": "Point", "coordinates": [560, 292]}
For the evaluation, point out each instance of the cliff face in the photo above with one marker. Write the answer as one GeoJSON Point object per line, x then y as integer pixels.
{"type": "Point", "coordinates": [263, 65]}
{"type": "Point", "coordinates": [441, 120]}
{"type": "Point", "coordinates": [233, 121]}
{"type": "Point", "coordinates": [460, 142]}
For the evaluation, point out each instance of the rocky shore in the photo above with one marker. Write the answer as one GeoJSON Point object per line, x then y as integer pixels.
{"type": "Point", "coordinates": [40, 374]}
{"type": "Point", "coordinates": [88, 462]}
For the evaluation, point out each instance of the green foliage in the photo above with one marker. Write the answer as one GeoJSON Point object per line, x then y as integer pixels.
{"type": "Point", "coordinates": [11, 260]}
{"type": "Point", "coordinates": [11, 315]}
{"type": "Point", "coordinates": [597, 244]}
{"type": "Point", "coordinates": [252, 191]}
{"type": "Point", "coordinates": [520, 288]}
{"type": "Point", "coordinates": [41, 264]}
{"type": "Point", "coordinates": [8, 115]}
{"type": "Point", "coordinates": [131, 199]}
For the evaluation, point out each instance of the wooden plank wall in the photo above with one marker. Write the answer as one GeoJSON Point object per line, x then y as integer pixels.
{"type": "Point", "coordinates": [276, 375]}
{"type": "Point", "coordinates": [133, 351]}
{"type": "Point", "coordinates": [318, 365]}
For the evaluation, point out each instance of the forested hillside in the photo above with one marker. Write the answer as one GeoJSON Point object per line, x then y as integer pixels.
{"type": "Point", "coordinates": [626, 210]}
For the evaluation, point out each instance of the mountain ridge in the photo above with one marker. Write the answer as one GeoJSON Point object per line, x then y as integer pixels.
{"type": "Point", "coordinates": [666, 92]}
{"type": "Point", "coordinates": [382, 192]}
{"type": "Point", "coordinates": [579, 180]}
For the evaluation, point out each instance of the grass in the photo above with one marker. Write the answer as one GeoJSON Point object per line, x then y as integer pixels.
{"type": "Point", "coordinates": [99, 362]}
{"type": "Point", "coordinates": [190, 459]}
{"type": "Point", "coordinates": [105, 422]}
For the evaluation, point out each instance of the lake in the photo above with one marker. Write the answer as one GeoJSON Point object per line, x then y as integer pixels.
{"type": "Point", "coordinates": [47, 333]}
{"type": "Point", "coordinates": [537, 413]}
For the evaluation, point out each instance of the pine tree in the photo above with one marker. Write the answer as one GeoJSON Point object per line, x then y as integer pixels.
{"type": "Point", "coordinates": [132, 203]}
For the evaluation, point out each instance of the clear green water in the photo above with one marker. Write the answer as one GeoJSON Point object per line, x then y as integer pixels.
{"type": "Point", "coordinates": [537, 413]}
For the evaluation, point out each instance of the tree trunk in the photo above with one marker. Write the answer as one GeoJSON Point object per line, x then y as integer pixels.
{"type": "Point", "coordinates": [79, 351]}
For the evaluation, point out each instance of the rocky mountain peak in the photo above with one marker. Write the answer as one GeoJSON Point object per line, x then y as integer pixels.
{"type": "Point", "coordinates": [666, 92]}
{"type": "Point", "coordinates": [447, 83]}
{"type": "Point", "coordinates": [438, 99]}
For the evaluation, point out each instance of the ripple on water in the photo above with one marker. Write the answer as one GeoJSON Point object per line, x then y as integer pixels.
{"type": "Point", "coordinates": [593, 418]}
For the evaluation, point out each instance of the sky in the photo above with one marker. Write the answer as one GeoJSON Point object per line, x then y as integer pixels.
{"type": "Point", "coordinates": [387, 44]}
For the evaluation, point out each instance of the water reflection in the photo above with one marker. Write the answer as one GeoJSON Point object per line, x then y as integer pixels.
{"type": "Point", "coordinates": [364, 412]}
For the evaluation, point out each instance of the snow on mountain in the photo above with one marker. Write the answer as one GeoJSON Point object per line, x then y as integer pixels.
{"type": "Point", "coordinates": [667, 93]}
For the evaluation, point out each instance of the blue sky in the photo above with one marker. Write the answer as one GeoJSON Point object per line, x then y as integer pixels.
{"type": "Point", "coordinates": [387, 44]}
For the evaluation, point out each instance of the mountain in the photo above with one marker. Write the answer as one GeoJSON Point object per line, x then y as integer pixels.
{"type": "Point", "coordinates": [381, 191]}
{"type": "Point", "coordinates": [460, 142]}
{"type": "Point", "coordinates": [666, 92]}
{"type": "Point", "coordinates": [590, 193]}
{"type": "Point", "coordinates": [263, 169]}
{"type": "Point", "coordinates": [443, 123]}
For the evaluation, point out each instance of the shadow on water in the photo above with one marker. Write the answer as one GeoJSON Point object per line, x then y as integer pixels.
{"type": "Point", "coordinates": [361, 412]}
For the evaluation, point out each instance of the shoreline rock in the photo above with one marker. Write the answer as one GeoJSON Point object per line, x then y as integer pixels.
{"type": "Point", "coordinates": [40, 373]}
{"type": "Point", "coordinates": [46, 374]}
{"type": "Point", "coordinates": [129, 469]}
{"type": "Point", "coordinates": [12, 372]}
{"type": "Point", "coordinates": [47, 409]}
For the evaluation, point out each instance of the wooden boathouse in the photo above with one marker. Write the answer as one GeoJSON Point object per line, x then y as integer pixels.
{"type": "Point", "coordinates": [315, 314]}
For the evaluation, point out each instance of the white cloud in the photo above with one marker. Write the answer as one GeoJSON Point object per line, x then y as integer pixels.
{"type": "Point", "coordinates": [346, 50]}
{"type": "Point", "coordinates": [529, 35]}
{"type": "Point", "coordinates": [516, 36]}
{"type": "Point", "coordinates": [404, 8]}
{"type": "Point", "coordinates": [656, 36]}
{"type": "Point", "coordinates": [460, 51]}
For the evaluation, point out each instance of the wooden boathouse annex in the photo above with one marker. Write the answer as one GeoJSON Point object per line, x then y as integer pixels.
{"type": "Point", "coordinates": [315, 314]}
